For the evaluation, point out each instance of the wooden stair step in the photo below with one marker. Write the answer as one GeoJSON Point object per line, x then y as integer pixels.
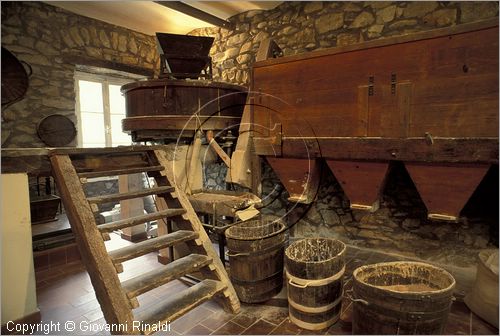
{"type": "Point", "coordinates": [125, 171]}
{"type": "Point", "coordinates": [129, 195]}
{"type": "Point", "coordinates": [180, 303]}
{"type": "Point", "coordinates": [164, 274]}
{"type": "Point", "coordinates": [132, 221]}
{"type": "Point", "coordinates": [150, 245]}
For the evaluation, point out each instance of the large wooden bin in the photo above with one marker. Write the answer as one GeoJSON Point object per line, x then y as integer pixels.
{"type": "Point", "coordinates": [429, 99]}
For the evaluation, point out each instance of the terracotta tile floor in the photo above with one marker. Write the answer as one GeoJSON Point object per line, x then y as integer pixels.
{"type": "Point", "coordinates": [67, 294]}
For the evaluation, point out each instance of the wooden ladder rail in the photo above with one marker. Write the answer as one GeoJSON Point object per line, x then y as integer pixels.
{"type": "Point", "coordinates": [190, 221]}
{"type": "Point", "coordinates": [115, 305]}
{"type": "Point", "coordinates": [118, 299]}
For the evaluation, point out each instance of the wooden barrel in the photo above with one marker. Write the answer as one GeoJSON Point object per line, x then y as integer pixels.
{"type": "Point", "coordinates": [315, 269]}
{"type": "Point", "coordinates": [256, 249]}
{"type": "Point", "coordinates": [401, 298]}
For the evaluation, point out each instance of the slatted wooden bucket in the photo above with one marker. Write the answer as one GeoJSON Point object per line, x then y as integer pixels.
{"type": "Point", "coordinates": [315, 269]}
{"type": "Point", "coordinates": [401, 298]}
{"type": "Point", "coordinates": [256, 249]}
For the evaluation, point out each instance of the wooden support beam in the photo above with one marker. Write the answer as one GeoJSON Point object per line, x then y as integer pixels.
{"type": "Point", "coordinates": [467, 150]}
{"type": "Point", "coordinates": [100, 63]}
{"type": "Point", "coordinates": [197, 13]}
{"type": "Point", "coordinates": [217, 149]}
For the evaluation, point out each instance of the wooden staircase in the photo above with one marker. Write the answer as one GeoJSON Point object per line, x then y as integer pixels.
{"type": "Point", "coordinates": [72, 168]}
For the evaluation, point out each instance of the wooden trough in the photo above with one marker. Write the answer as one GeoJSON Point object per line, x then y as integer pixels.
{"type": "Point", "coordinates": [427, 99]}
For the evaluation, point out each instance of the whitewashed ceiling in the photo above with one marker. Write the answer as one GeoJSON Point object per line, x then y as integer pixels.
{"type": "Point", "coordinates": [149, 17]}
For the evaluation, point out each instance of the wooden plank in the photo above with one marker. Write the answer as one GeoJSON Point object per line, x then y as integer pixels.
{"type": "Point", "coordinates": [114, 303]}
{"type": "Point", "coordinates": [101, 63]}
{"type": "Point", "coordinates": [195, 168]}
{"type": "Point", "coordinates": [116, 172]}
{"type": "Point", "coordinates": [120, 150]}
{"type": "Point", "coordinates": [122, 223]}
{"type": "Point", "coordinates": [240, 171]}
{"type": "Point", "coordinates": [404, 94]}
{"type": "Point", "coordinates": [191, 221]}
{"type": "Point", "coordinates": [131, 194]}
{"type": "Point", "coordinates": [223, 203]}
{"type": "Point", "coordinates": [180, 303]}
{"type": "Point", "coordinates": [445, 188]}
{"type": "Point", "coordinates": [472, 150]}
{"type": "Point", "coordinates": [164, 274]}
{"type": "Point", "coordinates": [267, 49]}
{"type": "Point", "coordinates": [458, 29]}
{"type": "Point", "coordinates": [453, 77]}
{"type": "Point", "coordinates": [174, 83]}
{"type": "Point", "coordinates": [150, 245]}
{"type": "Point", "coordinates": [177, 122]}
{"type": "Point", "coordinates": [363, 110]}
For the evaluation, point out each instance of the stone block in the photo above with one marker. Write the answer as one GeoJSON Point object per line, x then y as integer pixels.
{"type": "Point", "coordinates": [46, 48]}
{"type": "Point", "coordinates": [403, 24]}
{"type": "Point", "coordinates": [386, 15]}
{"type": "Point", "coordinates": [242, 59]}
{"type": "Point", "coordinates": [364, 19]}
{"type": "Point", "coordinates": [231, 53]}
{"type": "Point", "coordinates": [344, 39]}
{"type": "Point", "coordinates": [313, 6]}
{"type": "Point", "coordinates": [478, 10]}
{"type": "Point", "coordinates": [103, 39]}
{"type": "Point", "coordinates": [132, 46]}
{"type": "Point", "coordinates": [329, 22]}
{"type": "Point", "coordinates": [85, 35]}
{"type": "Point", "coordinates": [442, 17]}
{"type": "Point", "coordinates": [237, 39]}
{"type": "Point", "coordinates": [419, 8]}
{"type": "Point", "coordinates": [260, 36]}
{"type": "Point", "coordinates": [304, 36]}
{"type": "Point", "coordinates": [75, 36]}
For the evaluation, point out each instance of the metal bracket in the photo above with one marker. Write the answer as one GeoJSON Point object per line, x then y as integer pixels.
{"type": "Point", "coordinates": [371, 83]}
{"type": "Point", "coordinates": [393, 83]}
{"type": "Point", "coordinates": [276, 134]}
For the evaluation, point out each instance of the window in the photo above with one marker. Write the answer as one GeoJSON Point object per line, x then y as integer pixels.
{"type": "Point", "coordinates": [100, 109]}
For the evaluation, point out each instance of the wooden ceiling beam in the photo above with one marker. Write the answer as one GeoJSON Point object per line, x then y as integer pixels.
{"type": "Point", "coordinates": [196, 13]}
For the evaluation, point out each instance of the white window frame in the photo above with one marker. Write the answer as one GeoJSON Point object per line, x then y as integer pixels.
{"type": "Point", "coordinates": [105, 80]}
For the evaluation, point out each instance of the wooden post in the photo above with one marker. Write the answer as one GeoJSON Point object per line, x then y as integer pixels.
{"type": "Point", "coordinates": [132, 207]}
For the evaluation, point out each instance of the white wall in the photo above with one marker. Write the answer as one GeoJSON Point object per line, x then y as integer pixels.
{"type": "Point", "coordinates": [18, 273]}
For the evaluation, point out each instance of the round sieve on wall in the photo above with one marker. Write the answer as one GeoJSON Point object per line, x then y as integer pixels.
{"type": "Point", "coordinates": [56, 130]}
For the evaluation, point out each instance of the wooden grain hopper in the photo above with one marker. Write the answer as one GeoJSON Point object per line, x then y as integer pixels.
{"type": "Point", "coordinates": [184, 98]}
{"type": "Point", "coordinates": [428, 99]}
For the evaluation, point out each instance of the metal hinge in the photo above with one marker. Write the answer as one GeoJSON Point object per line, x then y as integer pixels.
{"type": "Point", "coordinates": [371, 82]}
{"type": "Point", "coordinates": [393, 83]}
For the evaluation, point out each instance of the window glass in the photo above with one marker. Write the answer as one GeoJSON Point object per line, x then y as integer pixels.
{"type": "Point", "coordinates": [93, 129]}
{"type": "Point", "coordinates": [116, 100]}
{"type": "Point", "coordinates": [90, 96]}
{"type": "Point", "coordinates": [101, 113]}
{"type": "Point", "coordinates": [117, 136]}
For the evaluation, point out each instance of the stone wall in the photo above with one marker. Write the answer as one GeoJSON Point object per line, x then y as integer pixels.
{"type": "Point", "coordinates": [400, 225]}
{"type": "Point", "coordinates": [299, 27]}
{"type": "Point", "coordinates": [51, 39]}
